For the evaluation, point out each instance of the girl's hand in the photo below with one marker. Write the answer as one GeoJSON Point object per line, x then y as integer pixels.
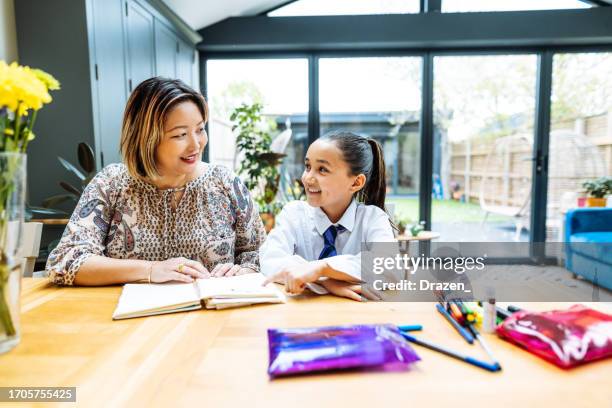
{"type": "Point", "coordinates": [177, 269]}
{"type": "Point", "coordinates": [296, 277]}
{"type": "Point", "coordinates": [347, 290]}
{"type": "Point", "coordinates": [229, 269]}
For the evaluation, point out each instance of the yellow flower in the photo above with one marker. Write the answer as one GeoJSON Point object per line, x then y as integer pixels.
{"type": "Point", "coordinates": [23, 88]}
{"type": "Point", "coordinates": [48, 79]}
{"type": "Point", "coordinates": [23, 91]}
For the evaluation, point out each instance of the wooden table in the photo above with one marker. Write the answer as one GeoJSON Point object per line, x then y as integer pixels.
{"type": "Point", "coordinates": [421, 236]}
{"type": "Point", "coordinates": [219, 358]}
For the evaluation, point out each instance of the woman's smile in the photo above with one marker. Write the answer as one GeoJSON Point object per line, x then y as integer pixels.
{"type": "Point", "coordinates": [191, 159]}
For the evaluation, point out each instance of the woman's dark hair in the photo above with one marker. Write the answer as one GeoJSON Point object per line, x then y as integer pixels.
{"type": "Point", "coordinates": [364, 156]}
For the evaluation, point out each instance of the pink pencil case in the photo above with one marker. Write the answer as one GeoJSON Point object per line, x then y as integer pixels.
{"type": "Point", "coordinates": [566, 338]}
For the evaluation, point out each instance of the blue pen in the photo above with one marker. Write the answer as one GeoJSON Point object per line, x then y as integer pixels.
{"type": "Point", "coordinates": [410, 327]}
{"type": "Point", "coordinates": [489, 367]}
{"type": "Point", "coordinates": [466, 334]}
{"type": "Point", "coordinates": [484, 345]}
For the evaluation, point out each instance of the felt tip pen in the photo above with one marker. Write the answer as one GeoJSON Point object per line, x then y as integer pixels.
{"type": "Point", "coordinates": [467, 308]}
{"type": "Point", "coordinates": [470, 360]}
{"type": "Point", "coordinates": [513, 309]}
{"type": "Point", "coordinates": [410, 327]}
{"type": "Point", "coordinates": [468, 316]}
{"type": "Point", "coordinates": [464, 333]}
{"type": "Point", "coordinates": [502, 314]}
{"type": "Point", "coordinates": [455, 311]}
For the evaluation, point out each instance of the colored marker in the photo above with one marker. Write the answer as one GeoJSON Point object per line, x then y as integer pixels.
{"type": "Point", "coordinates": [467, 307]}
{"type": "Point", "coordinates": [477, 310]}
{"type": "Point", "coordinates": [455, 311]}
{"type": "Point", "coordinates": [514, 309]}
{"type": "Point", "coordinates": [468, 316]}
{"type": "Point", "coordinates": [450, 353]}
{"type": "Point", "coordinates": [502, 314]}
{"type": "Point", "coordinates": [462, 331]}
{"type": "Point", "coordinates": [410, 327]}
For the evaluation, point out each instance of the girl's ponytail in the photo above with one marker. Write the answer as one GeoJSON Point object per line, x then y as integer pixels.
{"type": "Point", "coordinates": [376, 186]}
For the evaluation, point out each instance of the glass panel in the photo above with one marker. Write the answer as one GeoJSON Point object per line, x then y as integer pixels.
{"type": "Point", "coordinates": [281, 86]}
{"type": "Point", "coordinates": [379, 98]}
{"type": "Point", "coordinates": [346, 7]}
{"type": "Point", "coordinates": [454, 6]}
{"type": "Point", "coordinates": [484, 117]}
{"type": "Point", "coordinates": [581, 132]}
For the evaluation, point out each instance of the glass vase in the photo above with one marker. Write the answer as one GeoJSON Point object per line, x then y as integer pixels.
{"type": "Point", "coordinates": [12, 195]}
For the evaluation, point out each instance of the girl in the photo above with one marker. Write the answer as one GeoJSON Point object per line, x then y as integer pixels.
{"type": "Point", "coordinates": [317, 244]}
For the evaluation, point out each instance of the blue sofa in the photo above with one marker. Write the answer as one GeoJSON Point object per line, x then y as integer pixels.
{"type": "Point", "coordinates": [588, 244]}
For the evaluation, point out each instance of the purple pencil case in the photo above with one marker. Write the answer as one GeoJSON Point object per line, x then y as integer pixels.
{"type": "Point", "coordinates": [307, 350]}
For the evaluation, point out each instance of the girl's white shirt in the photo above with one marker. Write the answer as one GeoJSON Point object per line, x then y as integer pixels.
{"type": "Point", "coordinates": [298, 238]}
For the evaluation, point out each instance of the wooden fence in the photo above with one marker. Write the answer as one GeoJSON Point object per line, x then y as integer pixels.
{"type": "Point", "coordinates": [507, 173]}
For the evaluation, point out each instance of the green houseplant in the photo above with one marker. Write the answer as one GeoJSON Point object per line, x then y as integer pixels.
{"type": "Point", "coordinates": [259, 167]}
{"type": "Point", "coordinates": [597, 190]}
{"type": "Point", "coordinates": [402, 222]}
{"type": "Point", "coordinates": [23, 91]}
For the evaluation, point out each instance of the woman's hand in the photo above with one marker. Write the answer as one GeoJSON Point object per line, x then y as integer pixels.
{"type": "Point", "coordinates": [229, 269]}
{"type": "Point", "coordinates": [178, 269]}
{"type": "Point", "coordinates": [296, 277]}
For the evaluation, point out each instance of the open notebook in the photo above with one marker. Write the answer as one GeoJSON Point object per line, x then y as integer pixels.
{"type": "Point", "coordinates": [139, 300]}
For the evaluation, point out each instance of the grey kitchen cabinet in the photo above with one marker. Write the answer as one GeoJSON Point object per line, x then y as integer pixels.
{"type": "Point", "coordinates": [99, 50]}
{"type": "Point", "coordinates": [186, 58]}
{"type": "Point", "coordinates": [109, 87]}
{"type": "Point", "coordinates": [165, 51]}
{"type": "Point", "coordinates": [140, 44]}
{"type": "Point", "coordinates": [174, 57]}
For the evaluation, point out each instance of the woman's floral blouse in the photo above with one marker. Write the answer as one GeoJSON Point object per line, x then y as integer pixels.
{"type": "Point", "coordinates": [121, 217]}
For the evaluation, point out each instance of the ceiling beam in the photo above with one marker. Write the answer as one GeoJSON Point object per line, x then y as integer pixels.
{"type": "Point", "coordinates": [411, 31]}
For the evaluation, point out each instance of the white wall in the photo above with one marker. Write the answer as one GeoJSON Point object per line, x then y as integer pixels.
{"type": "Point", "coordinates": [8, 34]}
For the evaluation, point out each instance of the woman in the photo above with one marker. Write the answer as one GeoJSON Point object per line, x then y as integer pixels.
{"type": "Point", "coordinates": [163, 215]}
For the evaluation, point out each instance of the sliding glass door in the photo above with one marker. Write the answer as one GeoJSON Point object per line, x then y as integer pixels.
{"type": "Point", "coordinates": [484, 110]}
{"type": "Point", "coordinates": [580, 132]}
{"type": "Point", "coordinates": [380, 98]}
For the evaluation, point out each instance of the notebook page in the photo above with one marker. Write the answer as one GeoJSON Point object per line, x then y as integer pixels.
{"type": "Point", "coordinates": [142, 299]}
{"type": "Point", "coordinates": [232, 287]}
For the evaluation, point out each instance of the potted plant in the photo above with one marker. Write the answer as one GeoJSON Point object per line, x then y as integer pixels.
{"type": "Point", "coordinates": [597, 190]}
{"type": "Point", "coordinates": [23, 91]}
{"type": "Point", "coordinates": [260, 164]}
{"type": "Point", "coordinates": [415, 229]}
{"type": "Point", "coordinates": [402, 222]}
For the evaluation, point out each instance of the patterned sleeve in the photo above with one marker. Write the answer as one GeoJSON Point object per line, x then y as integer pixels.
{"type": "Point", "coordinates": [87, 231]}
{"type": "Point", "coordinates": [250, 232]}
